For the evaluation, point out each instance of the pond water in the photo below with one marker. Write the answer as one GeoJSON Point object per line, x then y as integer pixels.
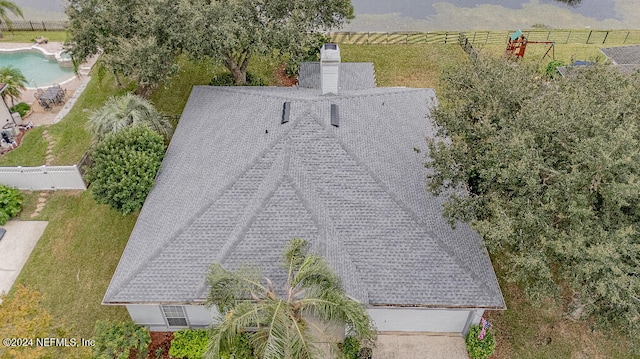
{"type": "Point", "coordinates": [434, 15]}
{"type": "Point", "coordinates": [39, 71]}
{"type": "Point", "coordinates": [420, 9]}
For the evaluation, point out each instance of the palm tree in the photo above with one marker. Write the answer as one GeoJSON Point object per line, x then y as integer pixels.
{"type": "Point", "coordinates": [284, 326]}
{"type": "Point", "coordinates": [124, 111]}
{"type": "Point", "coordinates": [8, 5]}
{"type": "Point", "coordinates": [15, 81]}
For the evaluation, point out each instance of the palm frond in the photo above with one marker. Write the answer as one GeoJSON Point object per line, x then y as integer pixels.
{"type": "Point", "coordinates": [128, 110]}
{"type": "Point", "coordinates": [227, 287]}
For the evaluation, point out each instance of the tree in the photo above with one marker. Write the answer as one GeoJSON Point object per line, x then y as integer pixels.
{"type": "Point", "coordinates": [136, 38]}
{"type": "Point", "coordinates": [282, 322]}
{"type": "Point", "coordinates": [121, 112]}
{"type": "Point", "coordinates": [125, 167]}
{"type": "Point", "coordinates": [547, 172]}
{"type": "Point", "coordinates": [11, 7]}
{"type": "Point", "coordinates": [24, 318]}
{"type": "Point", "coordinates": [230, 32]}
{"type": "Point", "coordinates": [15, 81]}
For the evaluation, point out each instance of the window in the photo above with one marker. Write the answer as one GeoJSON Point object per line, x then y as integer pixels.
{"type": "Point", "coordinates": [175, 315]}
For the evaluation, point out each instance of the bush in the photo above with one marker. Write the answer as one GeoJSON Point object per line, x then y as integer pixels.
{"type": "Point", "coordinates": [552, 68]}
{"type": "Point", "coordinates": [351, 348]}
{"type": "Point", "coordinates": [189, 344]}
{"type": "Point", "coordinates": [10, 203]}
{"type": "Point", "coordinates": [479, 349]}
{"type": "Point", "coordinates": [125, 165]}
{"type": "Point", "coordinates": [226, 79]}
{"type": "Point", "coordinates": [118, 340]}
{"type": "Point", "coordinates": [21, 108]}
{"type": "Point", "coordinates": [240, 349]}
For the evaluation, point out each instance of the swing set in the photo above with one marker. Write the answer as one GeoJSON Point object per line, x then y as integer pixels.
{"type": "Point", "coordinates": [517, 45]}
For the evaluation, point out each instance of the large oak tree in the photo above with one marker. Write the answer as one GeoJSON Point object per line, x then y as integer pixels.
{"type": "Point", "coordinates": [549, 174]}
{"type": "Point", "coordinates": [230, 32]}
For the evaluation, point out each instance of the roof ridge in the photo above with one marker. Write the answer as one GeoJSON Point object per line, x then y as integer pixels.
{"type": "Point", "coordinates": [197, 215]}
{"type": "Point", "coordinates": [446, 249]}
{"type": "Point", "coordinates": [265, 191]}
{"type": "Point", "coordinates": [325, 226]}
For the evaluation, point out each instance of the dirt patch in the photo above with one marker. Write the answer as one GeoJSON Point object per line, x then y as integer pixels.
{"type": "Point", "coordinates": [283, 78]}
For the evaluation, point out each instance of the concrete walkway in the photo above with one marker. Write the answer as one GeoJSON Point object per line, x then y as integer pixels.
{"type": "Point", "coordinates": [419, 346]}
{"type": "Point", "coordinates": [15, 248]}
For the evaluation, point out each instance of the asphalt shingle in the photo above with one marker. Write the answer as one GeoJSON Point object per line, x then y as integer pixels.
{"type": "Point", "coordinates": [236, 186]}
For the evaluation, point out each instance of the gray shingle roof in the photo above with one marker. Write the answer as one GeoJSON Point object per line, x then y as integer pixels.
{"type": "Point", "coordinates": [353, 76]}
{"type": "Point", "coordinates": [623, 55]}
{"type": "Point", "coordinates": [232, 193]}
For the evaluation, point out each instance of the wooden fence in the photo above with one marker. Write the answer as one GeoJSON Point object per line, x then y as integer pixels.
{"type": "Point", "coordinates": [42, 178]}
{"type": "Point", "coordinates": [599, 37]}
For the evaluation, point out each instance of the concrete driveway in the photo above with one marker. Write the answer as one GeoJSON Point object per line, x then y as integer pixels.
{"type": "Point", "coordinates": [419, 346]}
{"type": "Point", "coordinates": [15, 248]}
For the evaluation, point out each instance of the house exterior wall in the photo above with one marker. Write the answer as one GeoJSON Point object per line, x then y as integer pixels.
{"type": "Point", "coordinates": [389, 319]}
{"type": "Point", "coordinates": [151, 316]}
{"type": "Point", "coordinates": [386, 319]}
{"type": "Point", "coordinates": [5, 115]}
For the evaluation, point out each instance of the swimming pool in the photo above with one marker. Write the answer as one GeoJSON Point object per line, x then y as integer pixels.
{"type": "Point", "coordinates": [36, 68]}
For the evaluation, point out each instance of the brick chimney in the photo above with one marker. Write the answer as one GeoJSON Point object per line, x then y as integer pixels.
{"type": "Point", "coordinates": [329, 68]}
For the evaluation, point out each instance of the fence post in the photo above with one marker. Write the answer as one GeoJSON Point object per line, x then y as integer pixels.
{"type": "Point", "coordinates": [446, 37]}
{"type": "Point", "coordinates": [626, 37]}
{"type": "Point", "coordinates": [44, 27]}
{"type": "Point", "coordinates": [474, 38]}
{"type": "Point", "coordinates": [589, 37]}
{"type": "Point", "coordinates": [406, 41]}
{"type": "Point", "coordinates": [31, 24]}
{"type": "Point", "coordinates": [605, 37]}
{"type": "Point", "coordinates": [568, 36]}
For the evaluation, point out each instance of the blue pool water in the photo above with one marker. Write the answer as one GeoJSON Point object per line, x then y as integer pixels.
{"type": "Point", "coordinates": [38, 70]}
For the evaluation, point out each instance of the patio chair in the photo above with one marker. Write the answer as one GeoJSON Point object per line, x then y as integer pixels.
{"type": "Point", "coordinates": [45, 104]}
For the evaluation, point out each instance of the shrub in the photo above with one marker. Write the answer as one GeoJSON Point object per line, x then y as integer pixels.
{"type": "Point", "coordinates": [21, 108]}
{"type": "Point", "coordinates": [118, 340]}
{"type": "Point", "coordinates": [479, 348]}
{"type": "Point", "coordinates": [226, 79]}
{"type": "Point", "coordinates": [351, 348]}
{"type": "Point", "coordinates": [240, 349]}
{"type": "Point", "coordinates": [552, 68]}
{"type": "Point", "coordinates": [10, 203]}
{"type": "Point", "coordinates": [125, 165]}
{"type": "Point", "coordinates": [189, 344]}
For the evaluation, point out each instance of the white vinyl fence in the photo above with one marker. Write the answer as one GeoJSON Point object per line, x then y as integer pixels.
{"type": "Point", "coordinates": [42, 178]}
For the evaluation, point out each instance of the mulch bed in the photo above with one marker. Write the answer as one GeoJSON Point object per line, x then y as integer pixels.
{"type": "Point", "coordinates": [283, 79]}
{"type": "Point", "coordinates": [160, 340]}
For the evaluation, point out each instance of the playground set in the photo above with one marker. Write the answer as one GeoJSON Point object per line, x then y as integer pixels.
{"type": "Point", "coordinates": [517, 45]}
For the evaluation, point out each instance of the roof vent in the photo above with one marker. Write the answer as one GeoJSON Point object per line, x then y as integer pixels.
{"type": "Point", "coordinates": [335, 116]}
{"type": "Point", "coordinates": [329, 68]}
{"type": "Point", "coordinates": [286, 111]}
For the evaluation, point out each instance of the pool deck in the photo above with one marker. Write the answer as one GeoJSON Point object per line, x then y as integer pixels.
{"type": "Point", "coordinates": [39, 116]}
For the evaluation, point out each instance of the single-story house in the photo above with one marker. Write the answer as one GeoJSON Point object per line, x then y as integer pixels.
{"type": "Point", "coordinates": [336, 161]}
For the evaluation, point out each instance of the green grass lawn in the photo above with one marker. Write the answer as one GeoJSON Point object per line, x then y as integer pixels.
{"type": "Point", "coordinates": [31, 152]}
{"type": "Point", "coordinates": [75, 258]}
{"type": "Point", "coordinates": [28, 36]}
{"type": "Point", "coordinates": [410, 65]}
